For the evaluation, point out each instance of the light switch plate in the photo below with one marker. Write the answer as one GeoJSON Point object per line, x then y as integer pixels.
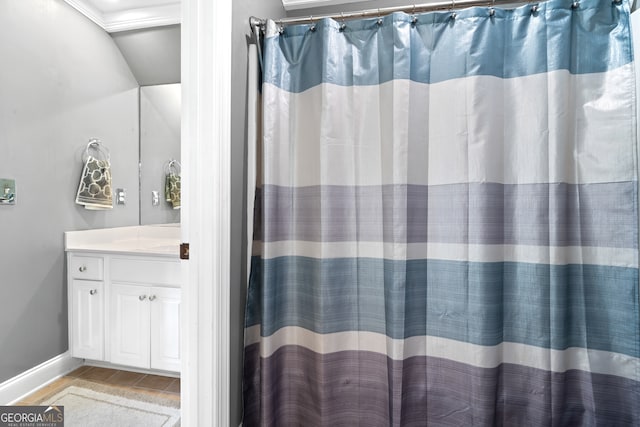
{"type": "Point", "coordinates": [121, 196]}
{"type": "Point", "coordinates": [7, 191]}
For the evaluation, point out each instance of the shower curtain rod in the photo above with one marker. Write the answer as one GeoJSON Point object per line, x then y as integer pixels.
{"type": "Point", "coordinates": [259, 23]}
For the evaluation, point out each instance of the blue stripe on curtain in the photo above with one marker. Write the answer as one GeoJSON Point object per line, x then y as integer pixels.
{"type": "Point", "coordinates": [477, 213]}
{"type": "Point", "coordinates": [511, 44]}
{"type": "Point", "coordinates": [550, 306]}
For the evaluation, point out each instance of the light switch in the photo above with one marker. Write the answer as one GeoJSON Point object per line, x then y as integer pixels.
{"type": "Point", "coordinates": [7, 191]}
{"type": "Point", "coordinates": [155, 198]}
{"type": "Point", "coordinates": [121, 196]}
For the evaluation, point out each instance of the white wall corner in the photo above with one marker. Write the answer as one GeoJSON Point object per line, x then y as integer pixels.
{"type": "Point", "coordinates": [21, 385]}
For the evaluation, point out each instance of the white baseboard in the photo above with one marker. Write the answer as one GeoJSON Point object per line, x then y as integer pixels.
{"type": "Point", "coordinates": [21, 385]}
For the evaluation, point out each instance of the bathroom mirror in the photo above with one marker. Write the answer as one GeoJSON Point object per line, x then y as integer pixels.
{"type": "Point", "coordinates": [159, 144]}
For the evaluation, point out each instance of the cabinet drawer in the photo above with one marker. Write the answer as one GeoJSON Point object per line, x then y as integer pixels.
{"type": "Point", "coordinates": [87, 268]}
{"type": "Point", "coordinates": [147, 271]}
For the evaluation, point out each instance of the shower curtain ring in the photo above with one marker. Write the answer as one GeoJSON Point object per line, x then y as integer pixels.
{"type": "Point", "coordinates": [414, 18]}
{"type": "Point", "coordinates": [343, 25]}
{"type": "Point", "coordinates": [312, 26]}
{"type": "Point", "coordinates": [379, 17]}
{"type": "Point", "coordinates": [454, 15]}
{"type": "Point", "coordinates": [492, 10]}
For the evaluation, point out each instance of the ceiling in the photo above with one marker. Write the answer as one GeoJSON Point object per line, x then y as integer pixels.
{"type": "Point", "coordinates": [121, 15]}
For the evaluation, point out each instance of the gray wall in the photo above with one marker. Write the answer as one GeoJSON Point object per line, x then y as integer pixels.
{"type": "Point", "coordinates": [159, 142]}
{"type": "Point", "coordinates": [152, 53]}
{"type": "Point", "coordinates": [62, 81]}
{"type": "Point", "coordinates": [242, 10]}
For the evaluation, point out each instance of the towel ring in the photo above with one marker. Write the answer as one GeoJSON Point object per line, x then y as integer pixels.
{"type": "Point", "coordinates": [99, 148]}
{"type": "Point", "coordinates": [175, 165]}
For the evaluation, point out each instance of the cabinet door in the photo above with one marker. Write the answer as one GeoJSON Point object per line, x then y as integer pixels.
{"type": "Point", "coordinates": [87, 319]}
{"type": "Point", "coordinates": [129, 323]}
{"type": "Point", "coordinates": [165, 328]}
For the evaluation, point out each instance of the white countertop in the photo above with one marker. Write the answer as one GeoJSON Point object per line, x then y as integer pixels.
{"type": "Point", "coordinates": [155, 240]}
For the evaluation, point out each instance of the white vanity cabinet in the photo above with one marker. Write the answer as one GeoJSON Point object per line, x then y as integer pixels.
{"type": "Point", "coordinates": [125, 309]}
{"type": "Point", "coordinates": [165, 329]}
{"type": "Point", "coordinates": [130, 328]}
{"type": "Point", "coordinates": [145, 308]}
{"type": "Point", "coordinates": [145, 330]}
{"type": "Point", "coordinates": [86, 307]}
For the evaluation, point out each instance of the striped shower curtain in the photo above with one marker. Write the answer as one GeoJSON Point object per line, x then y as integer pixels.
{"type": "Point", "coordinates": [446, 222]}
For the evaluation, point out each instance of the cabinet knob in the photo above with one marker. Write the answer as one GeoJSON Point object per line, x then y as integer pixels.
{"type": "Point", "coordinates": [93, 291]}
{"type": "Point", "coordinates": [152, 297]}
{"type": "Point", "coordinates": [83, 269]}
{"type": "Point", "coordinates": [142, 297]}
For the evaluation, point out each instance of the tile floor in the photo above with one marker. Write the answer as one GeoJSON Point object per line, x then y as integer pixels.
{"type": "Point", "coordinates": [155, 385]}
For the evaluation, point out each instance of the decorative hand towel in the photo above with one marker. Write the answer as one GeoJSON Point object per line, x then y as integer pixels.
{"type": "Point", "coordinates": [94, 191]}
{"type": "Point", "coordinates": [172, 183]}
{"type": "Point", "coordinates": [172, 189]}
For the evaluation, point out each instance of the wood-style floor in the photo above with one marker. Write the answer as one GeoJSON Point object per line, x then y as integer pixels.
{"type": "Point", "coordinates": [155, 385]}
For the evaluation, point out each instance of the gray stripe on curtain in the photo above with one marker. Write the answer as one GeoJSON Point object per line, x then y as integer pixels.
{"type": "Point", "coordinates": [351, 389]}
{"type": "Point", "coordinates": [477, 213]}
